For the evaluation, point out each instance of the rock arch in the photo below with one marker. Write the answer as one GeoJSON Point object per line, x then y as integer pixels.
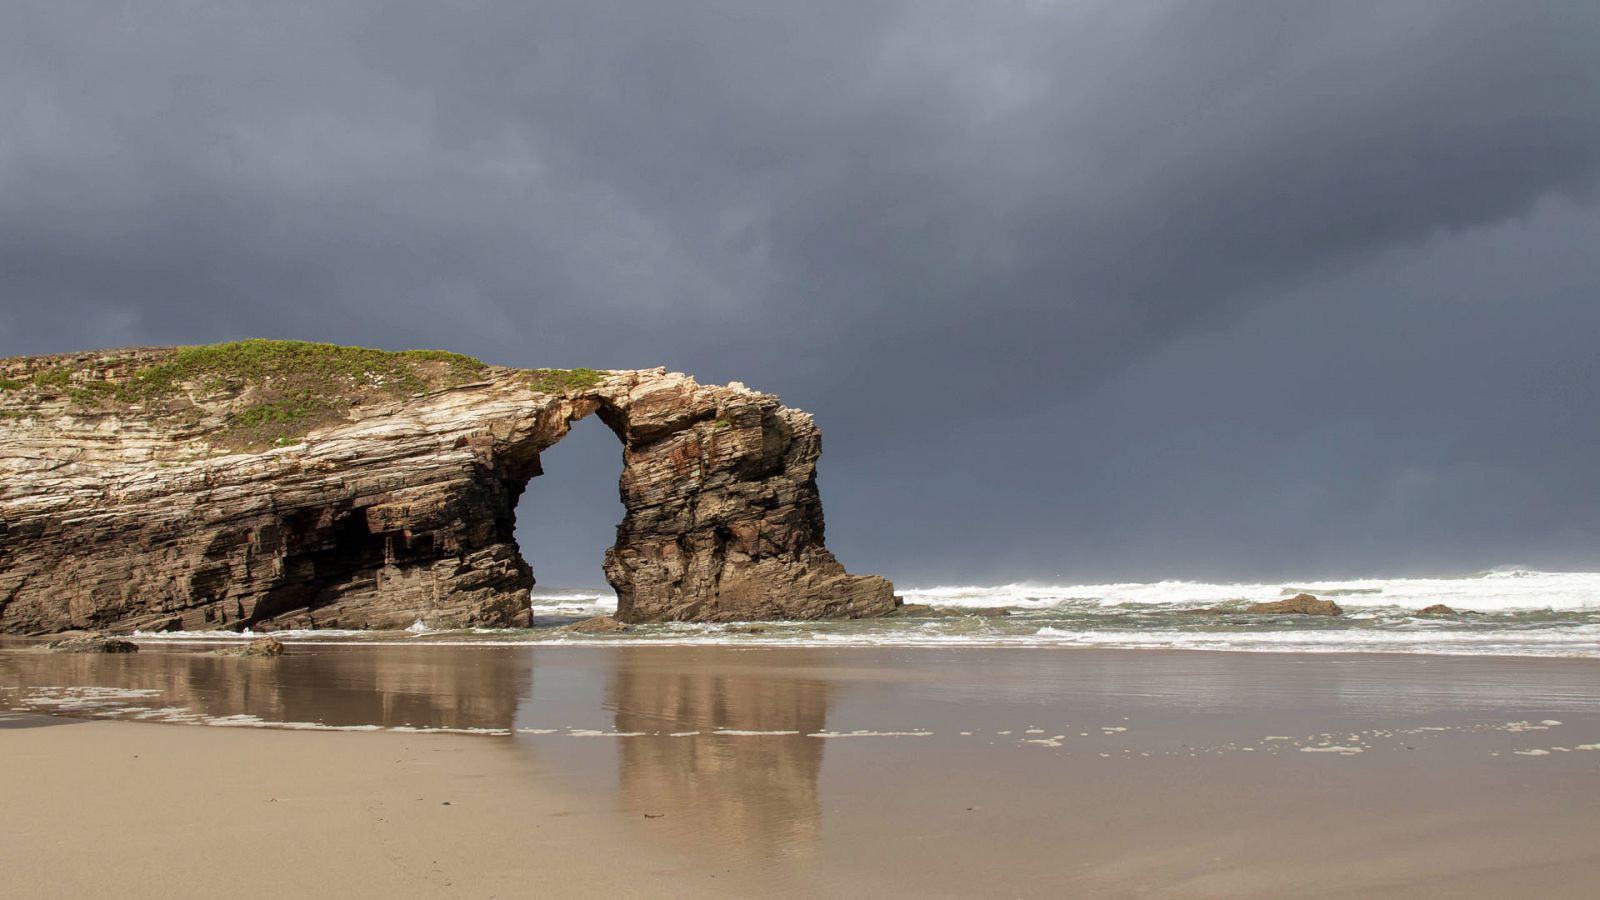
{"type": "Point", "coordinates": [404, 510]}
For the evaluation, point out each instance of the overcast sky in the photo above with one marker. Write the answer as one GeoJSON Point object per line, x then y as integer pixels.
{"type": "Point", "coordinates": [1077, 291]}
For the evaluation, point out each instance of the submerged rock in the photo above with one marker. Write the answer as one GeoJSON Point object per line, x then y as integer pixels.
{"type": "Point", "coordinates": [1298, 605]}
{"type": "Point", "coordinates": [94, 643]}
{"type": "Point", "coordinates": [1439, 609]}
{"type": "Point", "coordinates": [596, 625]}
{"type": "Point", "coordinates": [264, 483]}
{"type": "Point", "coordinates": [260, 647]}
{"type": "Point", "coordinates": [267, 646]}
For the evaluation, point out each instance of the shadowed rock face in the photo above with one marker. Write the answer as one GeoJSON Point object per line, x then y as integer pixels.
{"type": "Point", "coordinates": [114, 516]}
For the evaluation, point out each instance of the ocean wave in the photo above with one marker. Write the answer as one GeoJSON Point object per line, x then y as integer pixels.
{"type": "Point", "coordinates": [1571, 641]}
{"type": "Point", "coordinates": [1494, 590]}
{"type": "Point", "coordinates": [1517, 612]}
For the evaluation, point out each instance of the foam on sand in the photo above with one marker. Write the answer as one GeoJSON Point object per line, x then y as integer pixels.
{"type": "Point", "coordinates": [740, 732]}
{"type": "Point", "coordinates": [862, 733]}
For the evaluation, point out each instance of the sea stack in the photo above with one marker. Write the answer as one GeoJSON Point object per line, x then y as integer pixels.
{"type": "Point", "coordinates": [288, 484]}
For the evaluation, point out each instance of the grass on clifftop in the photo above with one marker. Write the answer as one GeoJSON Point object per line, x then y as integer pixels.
{"type": "Point", "coordinates": [294, 386]}
{"type": "Point", "coordinates": [274, 391]}
{"type": "Point", "coordinates": [556, 381]}
{"type": "Point", "coordinates": [277, 390]}
{"type": "Point", "coordinates": [310, 366]}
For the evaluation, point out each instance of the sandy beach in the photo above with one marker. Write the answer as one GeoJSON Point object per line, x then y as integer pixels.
{"type": "Point", "coordinates": [804, 773]}
{"type": "Point", "coordinates": [100, 809]}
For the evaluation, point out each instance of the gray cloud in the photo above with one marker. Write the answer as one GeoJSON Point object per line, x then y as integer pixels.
{"type": "Point", "coordinates": [1110, 290]}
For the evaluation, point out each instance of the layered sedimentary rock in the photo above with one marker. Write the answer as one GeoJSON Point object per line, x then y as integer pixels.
{"type": "Point", "coordinates": [138, 490]}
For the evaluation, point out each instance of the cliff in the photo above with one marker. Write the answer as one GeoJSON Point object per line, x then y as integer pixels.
{"type": "Point", "coordinates": [276, 484]}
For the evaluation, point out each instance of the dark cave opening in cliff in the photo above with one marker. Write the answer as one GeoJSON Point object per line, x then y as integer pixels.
{"type": "Point", "coordinates": [567, 518]}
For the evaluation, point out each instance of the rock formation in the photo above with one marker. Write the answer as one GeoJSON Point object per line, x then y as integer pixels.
{"type": "Point", "coordinates": [266, 647]}
{"type": "Point", "coordinates": [1298, 605]}
{"type": "Point", "coordinates": [269, 484]}
{"type": "Point", "coordinates": [94, 643]}
{"type": "Point", "coordinates": [1301, 604]}
{"type": "Point", "coordinates": [596, 625]}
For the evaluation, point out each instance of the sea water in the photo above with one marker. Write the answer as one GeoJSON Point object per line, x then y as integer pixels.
{"type": "Point", "coordinates": [1511, 612]}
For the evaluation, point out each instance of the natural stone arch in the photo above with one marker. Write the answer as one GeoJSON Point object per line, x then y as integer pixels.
{"type": "Point", "coordinates": [403, 510]}
{"type": "Point", "coordinates": [722, 517]}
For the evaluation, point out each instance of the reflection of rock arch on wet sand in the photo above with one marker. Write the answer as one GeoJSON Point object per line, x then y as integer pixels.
{"type": "Point", "coordinates": [389, 686]}
{"type": "Point", "coordinates": [404, 510]}
{"type": "Point", "coordinates": [758, 790]}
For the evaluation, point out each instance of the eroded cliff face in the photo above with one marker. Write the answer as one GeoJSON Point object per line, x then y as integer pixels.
{"type": "Point", "coordinates": [184, 499]}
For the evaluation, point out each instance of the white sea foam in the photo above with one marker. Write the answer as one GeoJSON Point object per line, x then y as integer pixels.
{"type": "Point", "coordinates": [740, 732]}
{"type": "Point", "coordinates": [1484, 592]}
{"type": "Point", "coordinates": [1522, 613]}
{"type": "Point", "coordinates": [1578, 641]}
{"type": "Point", "coordinates": [573, 601]}
{"type": "Point", "coordinates": [866, 733]}
{"type": "Point", "coordinates": [233, 637]}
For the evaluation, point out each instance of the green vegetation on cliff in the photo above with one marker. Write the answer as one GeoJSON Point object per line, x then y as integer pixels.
{"type": "Point", "coordinates": [273, 392]}
{"type": "Point", "coordinates": [303, 365]}
{"type": "Point", "coordinates": [294, 386]}
{"type": "Point", "coordinates": [276, 390]}
{"type": "Point", "coordinates": [557, 381]}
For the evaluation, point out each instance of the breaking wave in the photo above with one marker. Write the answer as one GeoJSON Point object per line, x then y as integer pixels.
{"type": "Point", "coordinates": [1508, 612]}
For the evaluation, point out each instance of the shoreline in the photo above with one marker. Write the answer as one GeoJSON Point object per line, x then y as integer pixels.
{"type": "Point", "coordinates": [35, 643]}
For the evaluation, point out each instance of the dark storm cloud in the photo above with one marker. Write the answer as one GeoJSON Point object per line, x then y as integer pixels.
{"type": "Point", "coordinates": [1045, 271]}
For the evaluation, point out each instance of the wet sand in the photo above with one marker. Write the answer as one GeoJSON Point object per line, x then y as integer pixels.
{"type": "Point", "coordinates": [133, 810]}
{"type": "Point", "coordinates": [803, 772]}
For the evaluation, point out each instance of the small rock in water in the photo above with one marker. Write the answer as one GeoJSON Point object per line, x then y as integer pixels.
{"type": "Point", "coordinates": [267, 646]}
{"type": "Point", "coordinates": [94, 643]}
{"type": "Point", "coordinates": [1438, 609]}
{"type": "Point", "coordinates": [1298, 605]}
{"type": "Point", "coordinates": [596, 625]}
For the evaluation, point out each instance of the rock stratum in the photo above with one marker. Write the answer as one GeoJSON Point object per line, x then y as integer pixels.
{"type": "Point", "coordinates": [272, 484]}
